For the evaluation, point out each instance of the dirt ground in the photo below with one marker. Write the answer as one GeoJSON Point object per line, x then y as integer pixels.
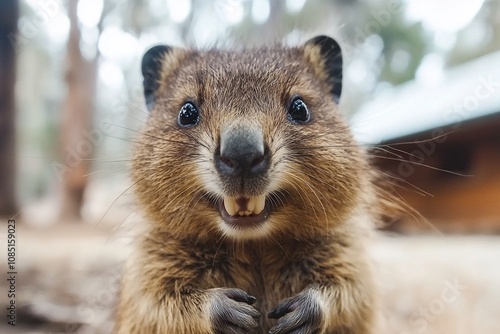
{"type": "Point", "coordinates": [68, 278]}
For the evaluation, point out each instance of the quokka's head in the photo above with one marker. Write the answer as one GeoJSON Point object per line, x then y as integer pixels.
{"type": "Point", "coordinates": [246, 143]}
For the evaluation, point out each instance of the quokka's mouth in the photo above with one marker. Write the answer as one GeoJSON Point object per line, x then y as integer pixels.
{"type": "Point", "coordinates": [243, 212]}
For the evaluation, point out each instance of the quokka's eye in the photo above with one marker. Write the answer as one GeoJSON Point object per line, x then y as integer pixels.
{"type": "Point", "coordinates": [298, 112]}
{"type": "Point", "coordinates": [189, 115]}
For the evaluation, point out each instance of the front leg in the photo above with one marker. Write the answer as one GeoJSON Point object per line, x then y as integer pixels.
{"type": "Point", "coordinates": [325, 309]}
{"type": "Point", "coordinates": [211, 311]}
{"type": "Point", "coordinates": [166, 290]}
{"type": "Point", "coordinates": [230, 311]}
{"type": "Point", "coordinates": [302, 313]}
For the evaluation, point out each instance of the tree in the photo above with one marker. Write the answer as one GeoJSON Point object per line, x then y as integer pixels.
{"type": "Point", "coordinates": [9, 13]}
{"type": "Point", "coordinates": [78, 108]}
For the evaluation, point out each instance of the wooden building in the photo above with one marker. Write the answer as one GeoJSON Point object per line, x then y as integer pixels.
{"type": "Point", "coordinates": [440, 143]}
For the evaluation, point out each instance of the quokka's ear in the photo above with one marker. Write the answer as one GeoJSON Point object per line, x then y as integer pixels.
{"type": "Point", "coordinates": [156, 64]}
{"type": "Point", "coordinates": [325, 55]}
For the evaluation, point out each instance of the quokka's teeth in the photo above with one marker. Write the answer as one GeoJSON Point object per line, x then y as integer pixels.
{"type": "Point", "coordinates": [255, 205]}
{"type": "Point", "coordinates": [230, 205]}
{"type": "Point", "coordinates": [260, 203]}
{"type": "Point", "coordinates": [251, 204]}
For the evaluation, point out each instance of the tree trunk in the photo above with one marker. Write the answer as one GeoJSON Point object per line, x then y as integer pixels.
{"type": "Point", "coordinates": [77, 143]}
{"type": "Point", "coordinates": [9, 13]}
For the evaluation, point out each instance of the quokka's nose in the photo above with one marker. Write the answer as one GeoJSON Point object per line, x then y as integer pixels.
{"type": "Point", "coordinates": [242, 153]}
{"type": "Point", "coordinates": [246, 162]}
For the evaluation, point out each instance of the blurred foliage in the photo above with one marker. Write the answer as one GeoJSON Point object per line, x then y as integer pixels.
{"type": "Point", "coordinates": [400, 41]}
{"type": "Point", "coordinates": [481, 37]}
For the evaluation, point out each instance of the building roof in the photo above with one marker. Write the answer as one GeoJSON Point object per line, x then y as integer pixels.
{"type": "Point", "coordinates": [463, 93]}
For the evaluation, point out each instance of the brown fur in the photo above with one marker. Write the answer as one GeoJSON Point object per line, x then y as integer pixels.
{"type": "Point", "coordinates": [318, 229]}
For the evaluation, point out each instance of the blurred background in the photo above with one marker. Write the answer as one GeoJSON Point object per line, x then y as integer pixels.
{"type": "Point", "coordinates": [421, 91]}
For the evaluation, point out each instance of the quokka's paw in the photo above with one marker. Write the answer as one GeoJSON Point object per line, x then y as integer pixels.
{"type": "Point", "coordinates": [301, 314]}
{"type": "Point", "coordinates": [231, 312]}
